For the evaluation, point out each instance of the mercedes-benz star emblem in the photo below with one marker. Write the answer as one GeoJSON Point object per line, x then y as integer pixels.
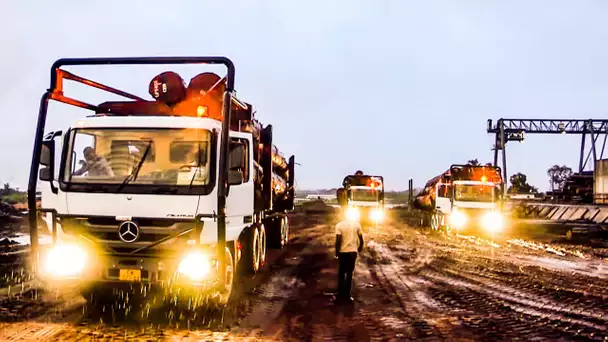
{"type": "Point", "coordinates": [128, 231]}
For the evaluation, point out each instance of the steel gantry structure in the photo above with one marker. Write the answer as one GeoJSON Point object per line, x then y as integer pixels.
{"type": "Point", "coordinates": [506, 130]}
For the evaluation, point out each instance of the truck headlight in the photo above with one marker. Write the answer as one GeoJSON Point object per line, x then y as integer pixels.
{"type": "Point", "coordinates": [376, 215]}
{"type": "Point", "coordinates": [458, 219]}
{"type": "Point", "coordinates": [195, 265]}
{"type": "Point", "coordinates": [493, 221]}
{"type": "Point", "coordinates": [352, 213]}
{"type": "Point", "coordinates": [65, 260]}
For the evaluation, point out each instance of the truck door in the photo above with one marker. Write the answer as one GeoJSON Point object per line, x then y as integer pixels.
{"type": "Point", "coordinates": [239, 203]}
{"type": "Point", "coordinates": [443, 201]}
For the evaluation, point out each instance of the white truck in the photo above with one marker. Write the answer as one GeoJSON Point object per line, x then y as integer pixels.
{"type": "Point", "coordinates": [181, 189]}
{"type": "Point", "coordinates": [362, 198]}
{"type": "Point", "coordinates": [465, 198]}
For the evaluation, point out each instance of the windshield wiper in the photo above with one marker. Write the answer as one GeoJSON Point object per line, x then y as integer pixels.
{"type": "Point", "coordinates": [135, 172]}
{"type": "Point", "coordinates": [197, 166]}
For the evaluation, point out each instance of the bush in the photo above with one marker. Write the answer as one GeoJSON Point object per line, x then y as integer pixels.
{"type": "Point", "coordinates": [14, 198]}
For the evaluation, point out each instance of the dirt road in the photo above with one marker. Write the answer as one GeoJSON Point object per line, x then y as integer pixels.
{"type": "Point", "coordinates": [409, 285]}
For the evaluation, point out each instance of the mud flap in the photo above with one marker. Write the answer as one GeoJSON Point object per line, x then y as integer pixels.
{"type": "Point", "coordinates": [273, 232]}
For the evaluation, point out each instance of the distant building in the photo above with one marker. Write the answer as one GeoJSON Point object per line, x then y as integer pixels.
{"type": "Point", "coordinates": [323, 197]}
{"type": "Point", "coordinates": [522, 196]}
{"type": "Point", "coordinates": [313, 197]}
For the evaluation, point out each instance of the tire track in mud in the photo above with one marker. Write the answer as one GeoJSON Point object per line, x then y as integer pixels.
{"type": "Point", "coordinates": [529, 302]}
{"type": "Point", "coordinates": [487, 303]}
{"type": "Point", "coordinates": [466, 282]}
{"type": "Point", "coordinates": [525, 273]}
{"type": "Point", "coordinates": [271, 297]}
{"type": "Point", "coordinates": [506, 316]}
{"type": "Point", "coordinates": [581, 298]}
{"type": "Point", "coordinates": [394, 276]}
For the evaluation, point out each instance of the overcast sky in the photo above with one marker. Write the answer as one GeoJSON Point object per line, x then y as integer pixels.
{"type": "Point", "coordinates": [397, 88]}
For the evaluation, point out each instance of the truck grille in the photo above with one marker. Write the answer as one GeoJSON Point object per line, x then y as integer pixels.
{"type": "Point", "coordinates": [144, 222]}
{"type": "Point", "coordinates": [113, 236]}
{"type": "Point", "coordinates": [104, 230]}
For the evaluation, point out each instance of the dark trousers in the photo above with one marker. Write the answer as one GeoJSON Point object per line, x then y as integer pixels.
{"type": "Point", "coordinates": [346, 267]}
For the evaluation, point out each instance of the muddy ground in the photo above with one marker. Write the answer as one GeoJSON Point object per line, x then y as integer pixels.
{"type": "Point", "coordinates": [410, 284]}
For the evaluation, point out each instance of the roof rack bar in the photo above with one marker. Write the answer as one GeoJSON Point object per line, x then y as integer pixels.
{"type": "Point", "coordinates": [145, 61]}
{"type": "Point", "coordinates": [239, 103]}
{"type": "Point", "coordinates": [72, 77]}
{"type": "Point", "coordinates": [57, 96]}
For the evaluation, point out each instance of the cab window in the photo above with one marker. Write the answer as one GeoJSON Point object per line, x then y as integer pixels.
{"type": "Point", "coordinates": [236, 142]}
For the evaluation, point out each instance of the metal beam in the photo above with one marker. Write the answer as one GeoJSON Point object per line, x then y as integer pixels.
{"type": "Point", "coordinates": [549, 126]}
{"type": "Point", "coordinates": [506, 130]}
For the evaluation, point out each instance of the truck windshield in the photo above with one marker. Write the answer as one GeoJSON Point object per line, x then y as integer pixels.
{"type": "Point", "coordinates": [367, 195]}
{"type": "Point", "coordinates": [474, 192]}
{"type": "Point", "coordinates": [174, 157]}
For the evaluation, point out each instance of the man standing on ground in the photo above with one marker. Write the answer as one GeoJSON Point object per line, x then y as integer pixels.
{"type": "Point", "coordinates": [349, 242]}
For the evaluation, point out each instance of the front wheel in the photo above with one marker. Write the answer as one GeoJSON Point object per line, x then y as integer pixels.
{"type": "Point", "coordinates": [225, 292]}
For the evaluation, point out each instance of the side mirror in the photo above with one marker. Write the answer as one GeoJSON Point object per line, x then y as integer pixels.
{"type": "Point", "coordinates": [47, 159]}
{"type": "Point", "coordinates": [341, 196]}
{"type": "Point", "coordinates": [47, 153]}
{"type": "Point", "coordinates": [235, 177]}
{"type": "Point", "coordinates": [46, 174]}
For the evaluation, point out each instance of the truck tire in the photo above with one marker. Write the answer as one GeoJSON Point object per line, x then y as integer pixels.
{"type": "Point", "coordinates": [284, 231]}
{"type": "Point", "coordinates": [250, 240]}
{"type": "Point", "coordinates": [434, 222]}
{"type": "Point", "coordinates": [443, 227]}
{"type": "Point", "coordinates": [224, 294]}
{"type": "Point", "coordinates": [425, 220]}
{"type": "Point", "coordinates": [262, 247]}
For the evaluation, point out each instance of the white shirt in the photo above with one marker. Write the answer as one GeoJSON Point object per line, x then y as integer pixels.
{"type": "Point", "coordinates": [349, 230]}
{"type": "Point", "coordinates": [100, 167]}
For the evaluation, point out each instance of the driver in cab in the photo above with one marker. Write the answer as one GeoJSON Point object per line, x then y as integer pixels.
{"type": "Point", "coordinates": [97, 166]}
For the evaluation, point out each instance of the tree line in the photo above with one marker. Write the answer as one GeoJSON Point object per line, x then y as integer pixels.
{"type": "Point", "coordinates": [12, 195]}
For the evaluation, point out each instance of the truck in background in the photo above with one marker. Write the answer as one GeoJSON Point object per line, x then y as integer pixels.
{"type": "Point", "coordinates": [183, 189]}
{"type": "Point", "coordinates": [362, 198]}
{"type": "Point", "coordinates": [464, 198]}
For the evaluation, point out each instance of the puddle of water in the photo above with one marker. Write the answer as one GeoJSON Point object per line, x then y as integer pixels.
{"type": "Point", "coordinates": [561, 251]}
{"type": "Point", "coordinates": [595, 269]}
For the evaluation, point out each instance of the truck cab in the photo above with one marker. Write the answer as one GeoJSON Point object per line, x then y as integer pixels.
{"type": "Point", "coordinates": [470, 198]}
{"type": "Point", "coordinates": [362, 198]}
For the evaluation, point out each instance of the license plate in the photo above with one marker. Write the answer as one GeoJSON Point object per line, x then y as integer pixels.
{"type": "Point", "coordinates": [130, 275]}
